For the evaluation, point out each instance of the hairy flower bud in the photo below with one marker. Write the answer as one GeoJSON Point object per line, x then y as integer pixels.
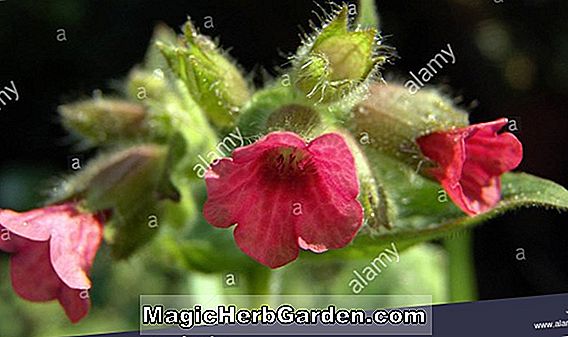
{"type": "Point", "coordinates": [142, 85]}
{"type": "Point", "coordinates": [102, 120]}
{"type": "Point", "coordinates": [213, 80]}
{"type": "Point", "coordinates": [129, 174]}
{"type": "Point", "coordinates": [333, 63]}
{"type": "Point", "coordinates": [119, 177]}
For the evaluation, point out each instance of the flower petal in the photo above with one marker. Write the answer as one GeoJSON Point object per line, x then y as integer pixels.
{"type": "Point", "coordinates": [266, 231]}
{"type": "Point", "coordinates": [335, 164]}
{"type": "Point", "coordinates": [73, 248]}
{"type": "Point", "coordinates": [35, 224]}
{"type": "Point", "coordinates": [328, 220]}
{"type": "Point", "coordinates": [33, 277]}
{"type": "Point", "coordinates": [9, 241]}
{"type": "Point", "coordinates": [76, 303]}
{"type": "Point", "coordinates": [227, 192]}
{"type": "Point", "coordinates": [332, 215]}
{"type": "Point", "coordinates": [273, 140]}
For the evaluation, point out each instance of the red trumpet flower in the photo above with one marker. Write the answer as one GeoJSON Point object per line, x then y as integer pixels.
{"type": "Point", "coordinates": [284, 194]}
{"type": "Point", "coordinates": [470, 162]}
{"type": "Point", "coordinates": [52, 250]}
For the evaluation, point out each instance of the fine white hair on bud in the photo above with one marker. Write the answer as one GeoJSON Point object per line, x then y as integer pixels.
{"type": "Point", "coordinates": [334, 63]}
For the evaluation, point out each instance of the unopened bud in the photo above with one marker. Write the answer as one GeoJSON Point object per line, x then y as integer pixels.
{"type": "Point", "coordinates": [213, 80]}
{"type": "Point", "coordinates": [131, 174]}
{"type": "Point", "coordinates": [142, 85]}
{"type": "Point", "coordinates": [338, 60]}
{"type": "Point", "coordinates": [102, 120]}
{"type": "Point", "coordinates": [123, 177]}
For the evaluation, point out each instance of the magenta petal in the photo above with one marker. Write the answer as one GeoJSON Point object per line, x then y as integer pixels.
{"type": "Point", "coordinates": [332, 215]}
{"type": "Point", "coordinates": [76, 303]}
{"type": "Point", "coordinates": [9, 241]}
{"type": "Point", "coordinates": [262, 214]}
{"type": "Point", "coordinates": [227, 182]}
{"type": "Point", "coordinates": [470, 162]}
{"type": "Point", "coordinates": [270, 141]}
{"type": "Point", "coordinates": [327, 225]}
{"type": "Point", "coordinates": [34, 225]}
{"type": "Point", "coordinates": [265, 230]}
{"type": "Point", "coordinates": [73, 249]}
{"type": "Point", "coordinates": [335, 164]}
{"type": "Point", "coordinates": [33, 277]}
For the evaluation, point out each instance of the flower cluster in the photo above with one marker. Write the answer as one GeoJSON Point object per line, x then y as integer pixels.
{"type": "Point", "coordinates": [304, 184]}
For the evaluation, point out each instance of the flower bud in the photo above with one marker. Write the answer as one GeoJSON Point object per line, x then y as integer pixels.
{"type": "Point", "coordinates": [391, 119]}
{"type": "Point", "coordinates": [142, 85]}
{"type": "Point", "coordinates": [129, 184]}
{"type": "Point", "coordinates": [126, 177]}
{"type": "Point", "coordinates": [338, 60]}
{"type": "Point", "coordinates": [102, 120]}
{"type": "Point", "coordinates": [213, 80]}
{"type": "Point", "coordinates": [128, 174]}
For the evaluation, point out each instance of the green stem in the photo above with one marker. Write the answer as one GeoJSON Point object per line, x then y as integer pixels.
{"type": "Point", "coordinates": [461, 268]}
{"type": "Point", "coordinates": [258, 283]}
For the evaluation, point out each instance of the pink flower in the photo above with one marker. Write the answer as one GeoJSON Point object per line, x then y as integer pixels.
{"type": "Point", "coordinates": [52, 250]}
{"type": "Point", "coordinates": [471, 161]}
{"type": "Point", "coordinates": [285, 194]}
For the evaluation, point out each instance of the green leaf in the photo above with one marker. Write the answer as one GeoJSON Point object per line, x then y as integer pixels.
{"type": "Point", "coordinates": [420, 216]}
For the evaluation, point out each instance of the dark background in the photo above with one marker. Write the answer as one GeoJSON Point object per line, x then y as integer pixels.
{"type": "Point", "coordinates": [511, 60]}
